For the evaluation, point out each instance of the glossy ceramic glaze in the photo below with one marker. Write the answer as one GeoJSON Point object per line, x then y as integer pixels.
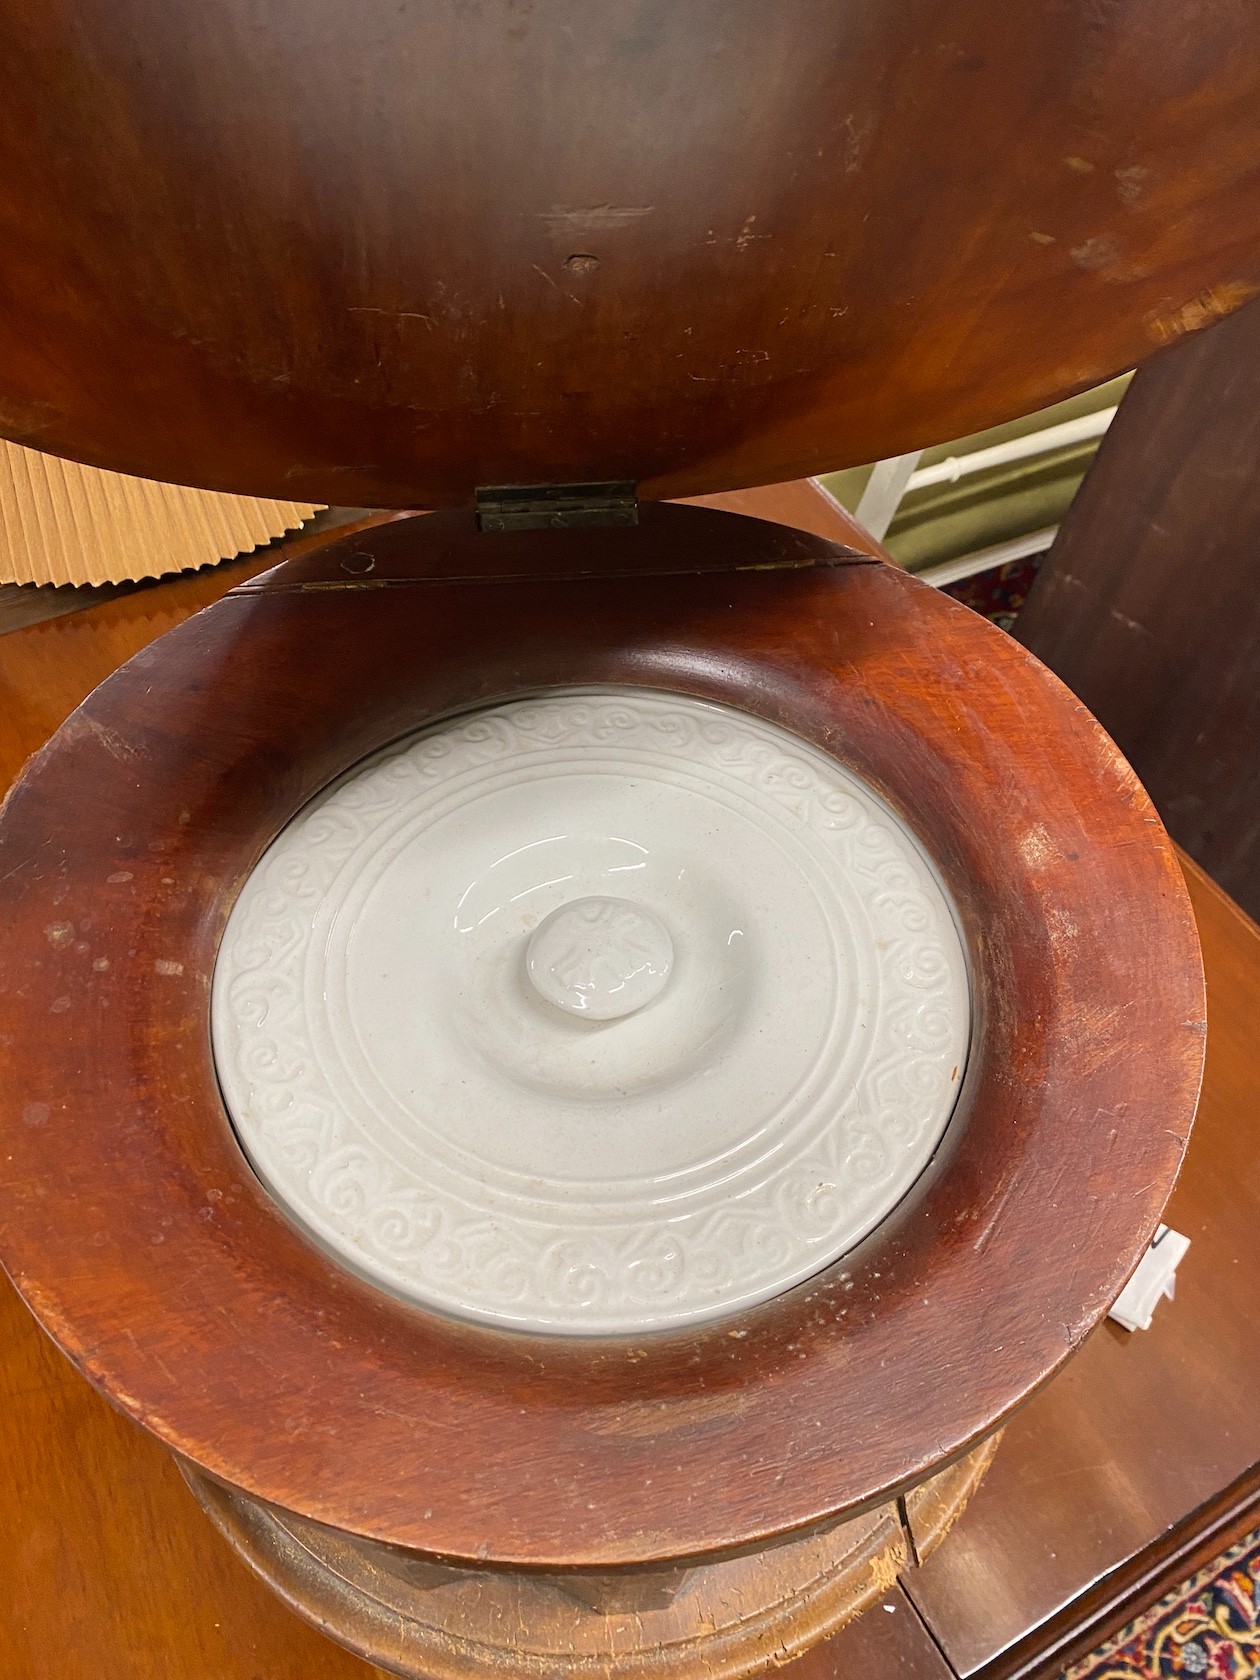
{"type": "Point", "coordinates": [592, 1013]}
{"type": "Point", "coordinates": [600, 958]}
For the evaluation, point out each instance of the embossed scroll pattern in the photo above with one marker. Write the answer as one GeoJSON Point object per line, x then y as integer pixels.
{"type": "Point", "coordinates": [410, 1099]}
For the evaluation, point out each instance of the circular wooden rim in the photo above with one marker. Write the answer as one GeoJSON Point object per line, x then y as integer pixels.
{"type": "Point", "coordinates": [779, 1602]}
{"type": "Point", "coordinates": [352, 1594]}
{"type": "Point", "coordinates": [132, 1224]}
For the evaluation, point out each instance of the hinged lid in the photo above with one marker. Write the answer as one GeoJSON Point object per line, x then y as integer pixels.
{"type": "Point", "coordinates": [380, 255]}
{"type": "Point", "coordinates": [562, 507]}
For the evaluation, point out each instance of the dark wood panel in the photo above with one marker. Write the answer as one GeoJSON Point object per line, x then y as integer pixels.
{"type": "Point", "coordinates": [889, 1642]}
{"type": "Point", "coordinates": [380, 254]}
{"type": "Point", "coordinates": [1140, 1430]}
{"type": "Point", "coordinates": [1149, 603]}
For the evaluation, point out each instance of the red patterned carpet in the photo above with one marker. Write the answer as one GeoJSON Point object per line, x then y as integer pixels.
{"type": "Point", "coordinates": [1208, 1628]}
{"type": "Point", "coordinates": [999, 593]}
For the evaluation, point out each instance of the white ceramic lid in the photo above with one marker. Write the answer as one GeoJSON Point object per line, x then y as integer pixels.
{"type": "Point", "coordinates": [594, 1013]}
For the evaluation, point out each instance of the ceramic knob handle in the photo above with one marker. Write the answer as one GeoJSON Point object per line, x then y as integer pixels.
{"type": "Point", "coordinates": [600, 958]}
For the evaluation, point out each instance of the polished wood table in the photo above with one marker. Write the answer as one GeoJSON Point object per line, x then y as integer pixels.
{"type": "Point", "coordinates": [1140, 1458]}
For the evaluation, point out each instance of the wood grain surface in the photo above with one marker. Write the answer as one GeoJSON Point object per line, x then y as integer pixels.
{"type": "Point", "coordinates": [381, 254]}
{"type": "Point", "coordinates": [1144, 1432]}
{"type": "Point", "coordinates": [720, 1621]}
{"type": "Point", "coordinates": [723, 1620]}
{"type": "Point", "coordinates": [889, 1642]}
{"type": "Point", "coordinates": [114, 1572]}
{"type": "Point", "coordinates": [1148, 605]}
{"type": "Point", "coordinates": [266, 1364]}
{"type": "Point", "coordinates": [104, 1534]}
{"type": "Point", "coordinates": [111, 1570]}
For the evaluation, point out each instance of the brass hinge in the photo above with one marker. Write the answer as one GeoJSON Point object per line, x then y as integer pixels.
{"type": "Point", "coordinates": [542, 507]}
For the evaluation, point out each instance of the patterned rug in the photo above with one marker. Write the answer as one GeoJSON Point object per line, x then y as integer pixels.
{"type": "Point", "coordinates": [1208, 1628]}
{"type": "Point", "coordinates": [1000, 592]}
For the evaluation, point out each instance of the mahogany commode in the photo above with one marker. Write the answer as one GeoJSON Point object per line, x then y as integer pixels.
{"type": "Point", "coordinates": [271, 1368]}
{"type": "Point", "coordinates": [549, 265]}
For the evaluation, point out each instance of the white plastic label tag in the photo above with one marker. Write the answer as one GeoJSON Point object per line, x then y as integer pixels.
{"type": "Point", "coordinates": [1155, 1277]}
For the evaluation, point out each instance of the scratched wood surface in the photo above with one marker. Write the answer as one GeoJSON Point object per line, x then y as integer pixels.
{"type": "Point", "coordinates": [264, 1363]}
{"type": "Point", "coordinates": [724, 1620]}
{"type": "Point", "coordinates": [113, 1571]}
{"type": "Point", "coordinates": [116, 1573]}
{"type": "Point", "coordinates": [101, 1525]}
{"type": "Point", "coordinates": [51, 668]}
{"type": "Point", "coordinates": [1148, 604]}
{"type": "Point", "coordinates": [1141, 1431]}
{"type": "Point", "coordinates": [721, 1620]}
{"type": "Point", "coordinates": [380, 255]}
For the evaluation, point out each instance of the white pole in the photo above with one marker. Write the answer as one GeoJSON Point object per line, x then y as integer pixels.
{"type": "Point", "coordinates": [884, 490]}
{"type": "Point", "coordinates": [1068, 432]}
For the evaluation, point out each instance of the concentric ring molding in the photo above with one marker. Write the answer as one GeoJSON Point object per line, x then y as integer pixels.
{"type": "Point", "coordinates": [407, 1095]}
{"type": "Point", "coordinates": [140, 1237]}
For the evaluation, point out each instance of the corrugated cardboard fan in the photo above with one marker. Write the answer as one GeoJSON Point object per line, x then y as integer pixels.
{"type": "Point", "coordinates": [62, 523]}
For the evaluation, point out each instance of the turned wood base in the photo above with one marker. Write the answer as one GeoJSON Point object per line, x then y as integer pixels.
{"type": "Point", "coordinates": [719, 1620]}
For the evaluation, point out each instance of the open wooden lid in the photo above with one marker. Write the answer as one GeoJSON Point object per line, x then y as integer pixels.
{"type": "Point", "coordinates": [384, 255]}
